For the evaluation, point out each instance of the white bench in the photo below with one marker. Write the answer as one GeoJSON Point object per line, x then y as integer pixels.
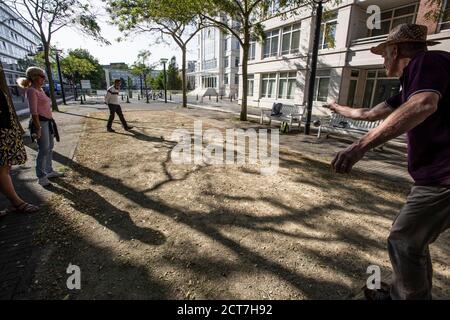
{"type": "Point", "coordinates": [291, 113]}
{"type": "Point", "coordinates": [343, 125]}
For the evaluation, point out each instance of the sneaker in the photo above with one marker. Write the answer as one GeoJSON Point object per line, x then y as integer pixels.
{"type": "Point", "coordinates": [128, 128]}
{"type": "Point", "coordinates": [55, 174]}
{"type": "Point", "coordinates": [110, 130]}
{"type": "Point", "coordinates": [44, 182]}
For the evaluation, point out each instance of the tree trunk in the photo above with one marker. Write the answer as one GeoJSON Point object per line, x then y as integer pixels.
{"type": "Point", "coordinates": [48, 69]}
{"type": "Point", "coordinates": [245, 49]}
{"type": "Point", "coordinates": [183, 77]}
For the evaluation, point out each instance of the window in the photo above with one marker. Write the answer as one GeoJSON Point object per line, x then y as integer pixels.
{"type": "Point", "coordinates": [226, 62]}
{"type": "Point", "coordinates": [209, 64]}
{"type": "Point", "coordinates": [271, 43]}
{"type": "Point", "coordinates": [225, 45]}
{"type": "Point", "coordinates": [379, 87]}
{"type": "Point", "coordinates": [445, 24]}
{"type": "Point", "coordinates": [252, 51]}
{"type": "Point", "coordinates": [236, 79]}
{"type": "Point", "coordinates": [291, 39]}
{"type": "Point", "coordinates": [352, 89]}
{"type": "Point", "coordinates": [225, 79]}
{"type": "Point", "coordinates": [209, 44]}
{"type": "Point", "coordinates": [287, 85]}
{"type": "Point", "coordinates": [209, 82]}
{"type": "Point", "coordinates": [274, 6]}
{"type": "Point", "coordinates": [392, 18]}
{"type": "Point", "coordinates": [328, 32]}
{"type": "Point", "coordinates": [321, 85]}
{"type": "Point", "coordinates": [236, 62]}
{"type": "Point", "coordinates": [268, 85]}
{"type": "Point", "coordinates": [251, 85]}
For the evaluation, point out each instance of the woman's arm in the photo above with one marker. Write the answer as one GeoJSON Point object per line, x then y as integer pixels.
{"type": "Point", "coordinates": [33, 105]}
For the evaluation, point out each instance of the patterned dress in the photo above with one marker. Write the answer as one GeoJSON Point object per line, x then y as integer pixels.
{"type": "Point", "coordinates": [12, 149]}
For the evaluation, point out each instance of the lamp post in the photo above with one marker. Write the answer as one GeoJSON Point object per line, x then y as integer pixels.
{"type": "Point", "coordinates": [315, 52]}
{"type": "Point", "coordinates": [40, 49]}
{"type": "Point", "coordinates": [164, 61]}
{"type": "Point", "coordinates": [60, 76]}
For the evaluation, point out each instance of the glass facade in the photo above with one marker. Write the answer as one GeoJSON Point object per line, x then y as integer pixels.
{"type": "Point", "coordinates": [271, 43]}
{"type": "Point", "coordinates": [16, 41]}
{"type": "Point", "coordinates": [379, 87]}
{"type": "Point", "coordinates": [251, 85]}
{"type": "Point", "coordinates": [268, 85]}
{"type": "Point", "coordinates": [290, 42]}
{"type": "Point", "coordinates": [392, 18]}
{"type": "Point", "coordinates": [287, 85]}
{"type": "Point", "coordinates": [321, 85]}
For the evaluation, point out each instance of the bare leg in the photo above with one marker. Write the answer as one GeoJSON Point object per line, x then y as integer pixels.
{"type": "Point", "coordinates": [7, 187]}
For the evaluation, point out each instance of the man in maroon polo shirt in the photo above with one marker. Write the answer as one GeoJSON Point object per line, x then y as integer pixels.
{"type": "Point", "coordinates": [422, 110]}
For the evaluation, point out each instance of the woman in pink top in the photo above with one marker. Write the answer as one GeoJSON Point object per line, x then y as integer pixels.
{"type": "Point", "coordinates": [41, 113]}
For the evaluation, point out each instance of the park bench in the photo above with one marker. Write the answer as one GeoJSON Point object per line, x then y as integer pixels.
{"type": "Point", "coordinates": [340, 124]}
{"type": "Point", "coordinates": [291, 113]}
{"type": "Point", "coordinates": [356, 128]}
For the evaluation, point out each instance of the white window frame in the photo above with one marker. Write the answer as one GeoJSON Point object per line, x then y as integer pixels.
{"type": "Point", "coordinates": [322, 74]}
{"type": "Point", "coordinates": [270, 35]}
{"type": "Point", "coordinates": [392, 18]}
{"type": "Point", "coordinates": [250, 80]}
{"type": "Point", "coordinates": [252, 51]}
{"type": "Point", "coordinates": [287, 77]}
{"type": "Point", "coordinates": [268, 77]}
{"type": "Point", "coordinates": [290, 32]}
{"type": "Point", "coordinates": [323, 28]}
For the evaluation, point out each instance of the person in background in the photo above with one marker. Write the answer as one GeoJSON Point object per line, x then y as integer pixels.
{"type": "Point", "coordinates": [12, 150]}
{"type": "Point", "coordinates": [112, 100]}
{"type": "Point", "coordinates": [42, 125]}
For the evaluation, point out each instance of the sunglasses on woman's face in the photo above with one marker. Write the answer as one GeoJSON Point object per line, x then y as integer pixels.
{"type": "Point", "coordinates": [41, 76]}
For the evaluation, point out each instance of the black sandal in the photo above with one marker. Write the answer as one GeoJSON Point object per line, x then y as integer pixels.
{"type": "Point", "coordinates": [24, 208]}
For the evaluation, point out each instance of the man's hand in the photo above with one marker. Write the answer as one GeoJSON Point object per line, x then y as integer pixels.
{"type": "Point", "coordinates": [347, 158]}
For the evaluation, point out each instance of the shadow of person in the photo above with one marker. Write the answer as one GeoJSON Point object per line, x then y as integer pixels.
{"type": "Point", "coordinates": [91, 203]}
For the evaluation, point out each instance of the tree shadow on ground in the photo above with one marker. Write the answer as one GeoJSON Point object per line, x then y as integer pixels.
{"type": "Point", "coordinates": [90, 203]}
{"type": "Point", "coordinates": [105, 274]}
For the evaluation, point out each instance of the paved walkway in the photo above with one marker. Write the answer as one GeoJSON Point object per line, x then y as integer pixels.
{"type": "Point", "coordinates": [18, 255]}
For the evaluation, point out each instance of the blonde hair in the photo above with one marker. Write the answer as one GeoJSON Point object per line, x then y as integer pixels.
{"type": "Point", "coordinates": [31, 74]}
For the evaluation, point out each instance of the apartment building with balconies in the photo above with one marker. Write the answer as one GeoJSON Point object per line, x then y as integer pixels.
{"type": "Point", "coordinates": [347, 71]}
{"type": "Point", "coordinates": [17, 40]}
{"type": "Point", "coordinates": [218, 59]}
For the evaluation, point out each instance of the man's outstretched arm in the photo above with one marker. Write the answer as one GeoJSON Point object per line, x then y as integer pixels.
{"type": "Point", "coordinates": [409, 115]}
{"type": "Point", "coordinates": [379, 112]}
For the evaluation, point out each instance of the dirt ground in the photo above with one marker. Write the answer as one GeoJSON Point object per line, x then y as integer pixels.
{"type": "Point", "coordinates": [141, 227]}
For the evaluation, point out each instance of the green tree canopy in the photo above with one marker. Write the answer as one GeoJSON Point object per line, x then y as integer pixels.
{"type": "Point", "coordinates": [97, 74]}
{"type": "Point", "coordinates": [173, 75]}
{"type": "Point", "coordinates": [75, 69]}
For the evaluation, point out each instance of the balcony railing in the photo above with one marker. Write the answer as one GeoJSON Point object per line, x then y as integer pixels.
{"type": "Point", "coordinates": [369, 40]}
